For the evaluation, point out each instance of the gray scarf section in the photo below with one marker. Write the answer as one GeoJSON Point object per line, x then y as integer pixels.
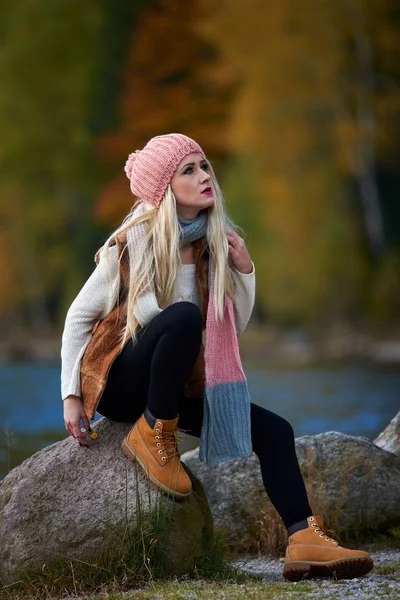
{"type": "Point", "coordinates": [194, 229]}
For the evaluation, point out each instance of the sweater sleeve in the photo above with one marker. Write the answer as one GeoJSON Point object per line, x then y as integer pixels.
{"type": "Point", "coordinates": [95, 300]}
{"type": "Point", "coordinates": [245, 288]}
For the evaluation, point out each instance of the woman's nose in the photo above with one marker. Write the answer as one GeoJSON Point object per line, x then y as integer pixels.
{"type": "Point", "coordinates": [205, 176]}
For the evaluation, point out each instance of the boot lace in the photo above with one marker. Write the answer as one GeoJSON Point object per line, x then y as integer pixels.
{"type": "Point", "coordinates": [317, 529]}
{"type": "Point", "coordinates": [167, 443]}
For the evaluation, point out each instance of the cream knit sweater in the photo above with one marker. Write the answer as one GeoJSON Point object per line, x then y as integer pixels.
{"type": "Point", "coordinates": [98, 297]}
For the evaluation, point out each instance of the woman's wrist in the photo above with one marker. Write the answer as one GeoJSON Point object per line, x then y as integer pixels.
{"type": "Point", "coordinates": [72, 398]}
{"type": "Point", "coordinates": [247, 270]}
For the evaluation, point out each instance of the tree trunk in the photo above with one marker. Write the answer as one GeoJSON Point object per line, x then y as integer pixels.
{"type": "Point", "coordinates": [365, 119]}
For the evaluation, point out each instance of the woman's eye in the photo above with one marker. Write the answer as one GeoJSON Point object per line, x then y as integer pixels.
{"type": "Point", "coordinates": [188, 170]}
{"type": "Point", "coordinates": [204, 167]}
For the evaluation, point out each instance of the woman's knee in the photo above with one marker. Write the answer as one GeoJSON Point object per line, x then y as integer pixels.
{"type": "Point", "coordinates": [266, 425]}
{"type": "Point", "coordinates": [185, 315]}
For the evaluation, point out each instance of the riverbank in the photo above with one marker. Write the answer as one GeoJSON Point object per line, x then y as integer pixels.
{"type": "Point", "coordinates": [338, 344]}
{"type": "Point", "coordinates": [271, 345]}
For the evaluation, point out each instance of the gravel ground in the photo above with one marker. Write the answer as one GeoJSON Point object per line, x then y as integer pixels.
{"type": "Point", "coordinates": [382, 582]}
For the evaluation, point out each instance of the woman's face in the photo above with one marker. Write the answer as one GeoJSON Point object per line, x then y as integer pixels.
{"type": "Point", "coordinates": [192, 186]}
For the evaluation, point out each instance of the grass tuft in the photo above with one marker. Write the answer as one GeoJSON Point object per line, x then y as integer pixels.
{"type": "Point", "coordinates": [137, 563]}
{"type": "Point", "coordinates": [215, 565]}
{"type": "Point", "coordinates": [137, 560]}
{"type": "Point", "coordinates": [389, 539]}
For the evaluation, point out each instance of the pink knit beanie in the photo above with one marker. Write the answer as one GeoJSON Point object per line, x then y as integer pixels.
{"type": "Point", "coordinates": [150, 170]}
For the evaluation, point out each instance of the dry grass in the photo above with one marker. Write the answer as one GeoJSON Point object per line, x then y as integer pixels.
{"type": "Point", "coordinates": [136, 563]}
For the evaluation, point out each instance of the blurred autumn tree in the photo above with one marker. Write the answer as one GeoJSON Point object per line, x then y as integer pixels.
{"type": "Point", "coordinates": [312, 128]}
{"type": "Point", "coordinates": [55, 57]}
{"type": "Point", "coordinates": [174, 81]}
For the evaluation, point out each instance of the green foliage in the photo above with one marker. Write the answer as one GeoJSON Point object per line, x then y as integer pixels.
{"type": "Point", "coordinates": [47, 66]}
{"type": "Point", "coordinates": [385, 293]}
{"type": "Point", "coordinates": [389, 539]}
{"type": "Point", "coordinates": [395, 533]}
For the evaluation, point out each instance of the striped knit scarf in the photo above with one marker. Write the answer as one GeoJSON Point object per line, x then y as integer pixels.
{"type": "Point", "coordinates": [225, 432]}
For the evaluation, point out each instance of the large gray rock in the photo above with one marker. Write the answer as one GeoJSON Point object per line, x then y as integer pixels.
{"type": "Point", "coordinates": [389, 439]}
{"type": "Point", "coordinates": [67, 501]}
{"type": "Point", "coordinates": [351, 483]}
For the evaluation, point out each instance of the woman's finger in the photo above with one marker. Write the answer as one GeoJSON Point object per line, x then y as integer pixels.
{"type": "Point", "coordinates": [79, 435]}
{"type": "Point", "coordinates": [237, 247]}
{"type": "Point", "coordinates": [235, 238]}
{"type": "Point", "coordinates": [232, 241]}
{"type": "Point", "coordinates": [86, 423]}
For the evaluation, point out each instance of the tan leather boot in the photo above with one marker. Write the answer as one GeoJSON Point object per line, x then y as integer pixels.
{"type": "Point", "coordinates": [156, 450]}
{"type": "Point", "coordinates": [311, 553]}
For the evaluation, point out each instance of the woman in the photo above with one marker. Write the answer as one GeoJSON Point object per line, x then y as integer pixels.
{"type": "Point", "coordinates": [132, 346]}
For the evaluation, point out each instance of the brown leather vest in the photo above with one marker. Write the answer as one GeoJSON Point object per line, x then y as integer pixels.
{"type": "Point", "coordinates": [105, 343]}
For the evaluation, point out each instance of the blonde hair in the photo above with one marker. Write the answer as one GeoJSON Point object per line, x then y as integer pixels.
{"type": "Point", "coordinates": [158, 256]}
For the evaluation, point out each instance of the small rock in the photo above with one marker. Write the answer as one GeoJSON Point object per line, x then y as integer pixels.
{"type": "Point", "coordinates": [389, 439]}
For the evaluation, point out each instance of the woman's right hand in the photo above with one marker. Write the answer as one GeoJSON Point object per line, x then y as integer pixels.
{"type": "Point", "coordinates": [74, 415]}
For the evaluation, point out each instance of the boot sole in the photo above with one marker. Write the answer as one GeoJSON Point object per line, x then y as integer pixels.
{"type": "Point", "coordinates": [130, 453]}
{"type": "Point", "coordinates": [339, 569]}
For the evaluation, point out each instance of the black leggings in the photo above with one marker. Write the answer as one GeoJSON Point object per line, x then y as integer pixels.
{"type": "Point", "coordinates": [153, 371]}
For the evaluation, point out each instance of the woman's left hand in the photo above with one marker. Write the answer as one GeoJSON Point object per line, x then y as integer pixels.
{"type": "Point", "coordinates": [238, 252]}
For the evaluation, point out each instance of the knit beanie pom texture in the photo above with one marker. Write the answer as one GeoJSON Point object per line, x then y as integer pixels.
{"type": "Point", "coordinates": [129, 164]}
{"type": "Point", "coordinates": [150, 170]}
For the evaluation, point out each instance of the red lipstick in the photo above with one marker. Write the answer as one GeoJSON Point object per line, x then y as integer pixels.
{"type": "Point", "coordinates": [207, 191]}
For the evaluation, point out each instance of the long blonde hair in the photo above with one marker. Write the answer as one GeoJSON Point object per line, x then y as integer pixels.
{"type": "Point", "coordinates": [158, 256]}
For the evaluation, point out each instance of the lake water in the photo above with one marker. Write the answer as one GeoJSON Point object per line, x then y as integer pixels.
{"type": "Point", "coordinates": [354, 399]}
